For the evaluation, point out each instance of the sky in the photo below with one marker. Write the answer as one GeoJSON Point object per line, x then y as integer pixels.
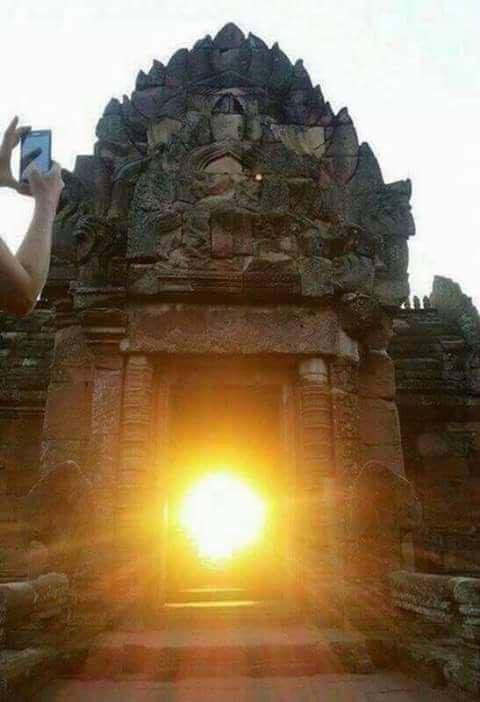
{"type": "Point", "coordinates": [408, 71]}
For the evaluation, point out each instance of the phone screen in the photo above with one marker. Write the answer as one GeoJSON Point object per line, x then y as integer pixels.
{"type": "Point", "coordinates": [35, 152]}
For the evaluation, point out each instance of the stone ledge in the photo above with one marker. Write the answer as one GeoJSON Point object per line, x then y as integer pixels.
{"type": "Point", "coordinates": [233, 329]}
{"type": "Point", "coordinates": [36, 611]}
{"type": "Point", "coordinates": [432, 607]}
{"type": "Point", "coordinates": [23, 673]}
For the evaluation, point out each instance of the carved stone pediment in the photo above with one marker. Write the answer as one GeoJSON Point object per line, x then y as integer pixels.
{"type": "Point", "coordinates": [232, 127]}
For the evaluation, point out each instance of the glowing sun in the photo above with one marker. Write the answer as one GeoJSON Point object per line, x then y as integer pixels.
{"type": "Point", "coordinates": [222, 515]}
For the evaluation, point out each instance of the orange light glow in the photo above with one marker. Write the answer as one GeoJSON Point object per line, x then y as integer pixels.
{"type": "Point", "coordinates": [222, 515]}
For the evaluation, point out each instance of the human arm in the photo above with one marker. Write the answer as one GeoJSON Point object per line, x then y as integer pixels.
{"type": "Point", "coordinates": [22, 276]}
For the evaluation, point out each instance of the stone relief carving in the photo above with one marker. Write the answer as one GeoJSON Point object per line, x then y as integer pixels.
{"type": "Point", "coordinates": [227, 164]}
{"type": "Point", "coordinates": [58, 512]}
{"type": "Point", "coordinates": [96, 242]}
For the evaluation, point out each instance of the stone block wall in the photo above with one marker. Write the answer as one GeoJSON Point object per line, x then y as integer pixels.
{"type": "Point", "coordinates": [26, 347]}
{"type": "Point", "coordinates": [436, 620]}
{"type": "Point", "coordinates": [439, 406]}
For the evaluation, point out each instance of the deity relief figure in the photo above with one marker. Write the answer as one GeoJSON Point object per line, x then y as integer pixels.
{"type": "Point", "coordinates": [96, 243]}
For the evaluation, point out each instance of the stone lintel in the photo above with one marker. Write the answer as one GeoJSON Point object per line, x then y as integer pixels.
{"type": "Point", "coordinates": [237, 329]}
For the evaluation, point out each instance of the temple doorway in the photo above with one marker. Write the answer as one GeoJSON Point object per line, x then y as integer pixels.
{"type": "Point", "coordinates": [226, 493]}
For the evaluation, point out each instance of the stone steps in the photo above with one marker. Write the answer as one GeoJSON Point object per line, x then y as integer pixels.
{"type": "Point", "coordinates": [136, 662]}
{"type": "Point", "coordinates": [228, 641]}
{"type": "Point", "coordinates": [381, 687]}
{"type": "Point", "coordinates": [209, 594]}
{"type": "Point", "coordinates": [221, 613]}
{"type": "Point", "coordinates": [257, 645]}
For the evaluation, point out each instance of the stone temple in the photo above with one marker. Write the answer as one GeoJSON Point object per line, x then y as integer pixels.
{"type": "Point", "coordinates": [230, 283]}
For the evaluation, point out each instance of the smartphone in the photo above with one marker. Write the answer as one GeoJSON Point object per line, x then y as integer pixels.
{"type": "Point", "coordinates": [35, 151]}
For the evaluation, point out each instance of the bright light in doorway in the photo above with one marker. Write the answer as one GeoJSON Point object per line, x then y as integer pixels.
{"type": "Point", "coordinates": [222, 515]}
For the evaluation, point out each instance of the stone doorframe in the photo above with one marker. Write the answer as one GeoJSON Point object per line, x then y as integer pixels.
{"type": "Point", "coordinates": [326, 393]}
{"type": "Point", "coordinates": [205, 370]}
{"type": "Point", "coordinates": [317, 445]}
{"type": "Point", "coordinates": [336, 388]}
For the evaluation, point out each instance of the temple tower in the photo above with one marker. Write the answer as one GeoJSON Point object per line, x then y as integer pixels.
{"type": "Point", "coordinates": [226, 267]}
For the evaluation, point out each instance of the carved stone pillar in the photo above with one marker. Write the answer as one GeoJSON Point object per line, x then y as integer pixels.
{"type": "Point", "coordinates": [105, 442]}
{"type": "Point", "coordinates": [316, 422]}
{"type": "Point", "coordinates": [95, 576]}
{"type": "Point", "coordinates": [67, 419]}
{"type": "Point", "coordinates": [345, 416]}
{"type": "Point", "coordinates": [379, 420]}
{"type": "Point", "coordinates": [290, 558]}
{"type": "Point", "coordinates": [315, 481]}
{"type": "Point", "coordinates": [158, 536]}
{"type": "Point", "coordinates": [133, 481]}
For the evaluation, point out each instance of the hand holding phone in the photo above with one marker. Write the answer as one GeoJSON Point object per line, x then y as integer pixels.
{"type": "Point", "coordinates": [35, 153]}
{"type": "Point", "coordinates": [13, 134]}
{"type": "Point", "coordinates": [44, 181]}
